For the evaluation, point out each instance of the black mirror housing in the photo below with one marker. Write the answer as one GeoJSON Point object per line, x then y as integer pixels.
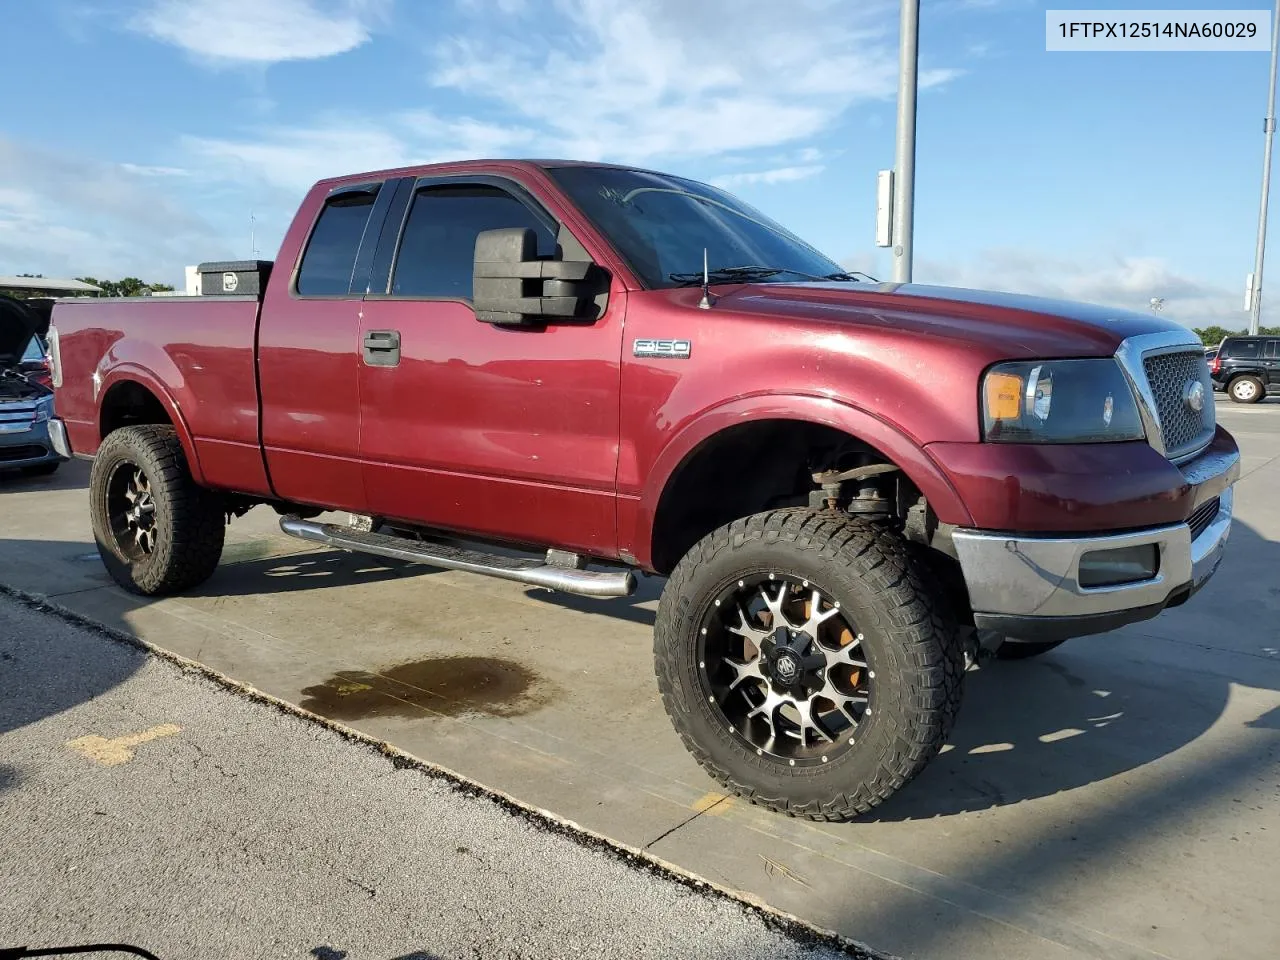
{"type": "Point", "coordinates": [511, 286]}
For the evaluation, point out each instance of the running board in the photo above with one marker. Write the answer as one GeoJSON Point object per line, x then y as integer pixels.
{"type": "Point", "coordinates": [586, 583]}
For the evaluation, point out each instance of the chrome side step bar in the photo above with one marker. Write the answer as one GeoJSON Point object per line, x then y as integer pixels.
{"type": "Point", "coordinates": [565, 579]}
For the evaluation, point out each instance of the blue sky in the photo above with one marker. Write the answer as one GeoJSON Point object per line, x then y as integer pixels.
{"type": "Point", "coordinates": [139, 137]}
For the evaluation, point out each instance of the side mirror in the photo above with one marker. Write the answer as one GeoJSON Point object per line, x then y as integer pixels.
{"type": "Point", "coordinates": [511, 286]}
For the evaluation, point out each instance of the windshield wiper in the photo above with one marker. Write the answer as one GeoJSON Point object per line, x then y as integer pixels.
{"type": "Point", "coordinates": [745, 274]}
{"type": "Point", "coordinates": [853, 276]}
{"type": "Point", "coordinates": [722, 274]}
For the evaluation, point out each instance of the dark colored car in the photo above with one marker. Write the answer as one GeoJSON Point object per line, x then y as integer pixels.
{"type": "Point", "coordinates": [617, 370]}
{"type": "Point", "coordinates": [1247, 368]}
{"type": "Point", "coordinates": [26, 393]}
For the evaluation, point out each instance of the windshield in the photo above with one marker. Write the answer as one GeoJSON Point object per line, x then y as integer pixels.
{"type": "Point", "coordinates": [34, 352]}
{"type": "Point", "coordinates": [662, 224]}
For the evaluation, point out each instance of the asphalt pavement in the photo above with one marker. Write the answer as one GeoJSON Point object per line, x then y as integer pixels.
{"type": "Point", "coordinates": [144, 803]}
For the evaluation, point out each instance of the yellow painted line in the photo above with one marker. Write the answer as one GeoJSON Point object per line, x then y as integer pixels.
{"type": "Point", "coordinates": [112, 753]}
{"type": "Point", "coordinates": [706, 802]}
{"type": "Point", "coordinates": [712, 804]}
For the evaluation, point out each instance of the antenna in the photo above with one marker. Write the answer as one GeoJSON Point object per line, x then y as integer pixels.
{"type": "Point", "coordinates": [707, 300]}
{"type": "Point", "coordinates": [253, 247]}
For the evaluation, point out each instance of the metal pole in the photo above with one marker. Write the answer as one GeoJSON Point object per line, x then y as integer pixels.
{"type": "Point", "coordinates": [905, 163]}
{"type": "Point", "coordinates": [1255, 315]}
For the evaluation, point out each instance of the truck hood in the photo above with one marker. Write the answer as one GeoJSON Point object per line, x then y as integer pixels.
{"type": "Point", "coordinates": [17, 325]}
{"type": "Point", "coordinates": [1005, 324]}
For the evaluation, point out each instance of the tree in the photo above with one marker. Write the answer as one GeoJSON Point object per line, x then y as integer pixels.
{"type": "Point", "coordinates": [127, 287]}
{"type": "Point", "coordinates": [1212, 336]}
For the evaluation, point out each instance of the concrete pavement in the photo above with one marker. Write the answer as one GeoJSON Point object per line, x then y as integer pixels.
{"type": "Point", "coordinates": [1115, 798]}
{"type": "Point", "coordinates": [167, 812]}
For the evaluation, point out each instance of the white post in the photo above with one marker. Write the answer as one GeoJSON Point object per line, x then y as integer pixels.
{"type": "Point", "coordinates": [905, 162]}
{"type": "Point", "coordinates": [1269, 129]}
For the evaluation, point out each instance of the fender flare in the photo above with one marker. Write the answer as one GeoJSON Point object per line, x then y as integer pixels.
{"type": "Point", "coordinates": [897, 446]}
{"type": "Point", "coordinates": [133, 373]}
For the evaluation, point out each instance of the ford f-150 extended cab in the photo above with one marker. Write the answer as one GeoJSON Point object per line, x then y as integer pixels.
{"type": "Point", "coordinates": [563, 373]}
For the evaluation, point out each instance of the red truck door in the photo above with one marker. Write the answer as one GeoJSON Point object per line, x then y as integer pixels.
{"type": "Point", "coordinates": [308, 348]}
{"type": "Point", "coordinates": [478, 428]}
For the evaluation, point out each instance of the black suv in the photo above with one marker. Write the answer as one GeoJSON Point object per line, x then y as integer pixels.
{"type": "Point", "coordinates": [1248, 368]}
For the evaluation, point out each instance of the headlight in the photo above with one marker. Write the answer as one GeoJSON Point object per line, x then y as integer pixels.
{"type": "Point", "coordinates": [1059, 401]}
{"type": "Point", "coordinates": [42, 412]}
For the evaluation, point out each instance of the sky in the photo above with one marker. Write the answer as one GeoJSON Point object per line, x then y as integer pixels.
{"type": "Point", "coordinates": [138, 137]}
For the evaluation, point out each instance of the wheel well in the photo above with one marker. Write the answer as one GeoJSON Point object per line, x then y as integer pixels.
{"type": "Point", "coordinates": [747, 469]}
{"type": "Point", "coordinates": [128, 403]}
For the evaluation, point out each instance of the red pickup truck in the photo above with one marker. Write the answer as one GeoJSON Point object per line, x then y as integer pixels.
{"type": "Point", "coordinates": [563, 373]}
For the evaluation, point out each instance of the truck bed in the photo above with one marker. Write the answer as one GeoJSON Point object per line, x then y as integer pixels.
{"type": "Point", "coordinates": [195, 353]}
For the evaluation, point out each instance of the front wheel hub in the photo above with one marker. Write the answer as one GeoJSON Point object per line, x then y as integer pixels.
{"type": "Point", "coordinates": [785, 667]}
{"type": "Point", "coordinates": [794, 662]}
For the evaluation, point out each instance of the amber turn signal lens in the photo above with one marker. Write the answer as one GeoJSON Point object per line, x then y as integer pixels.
{"type": "Point", "coordinates": [1004, 396]}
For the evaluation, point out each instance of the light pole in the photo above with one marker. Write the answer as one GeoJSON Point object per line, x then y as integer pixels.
{"type": "Point", "coordinates": [1269, 130]}
{"type": "Point", "coordinates": [905, 160]}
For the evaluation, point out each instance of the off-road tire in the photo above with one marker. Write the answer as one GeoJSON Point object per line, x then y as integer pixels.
{"type": "Point", "coordinates": [1259, 391]}
{"type": "Point", "coordinates": [1025, 650]}
{"type": "Point", "coordinates": [190, 521]}
{"type": "Point", "coordinates": [908, 631]}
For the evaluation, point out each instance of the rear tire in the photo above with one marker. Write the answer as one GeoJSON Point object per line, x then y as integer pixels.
{"type": "Point", "coordinates": [1246, 390]}
{"type": "Point", "coordinates": [157, 531]}
{"type": "Point", "coordinates": [914, 662]}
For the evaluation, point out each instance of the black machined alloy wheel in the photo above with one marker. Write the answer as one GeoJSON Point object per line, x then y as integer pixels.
{"type": "Point", "coordinates": [157, 531]}
{"type": "Point", "coordinates": [786, 668]}
{"type": "Point", "coordinates": [131, 511]}
{"type": "Point", "coordinates": [807, 660]}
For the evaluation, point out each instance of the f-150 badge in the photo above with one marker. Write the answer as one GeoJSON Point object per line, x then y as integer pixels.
{"type": "Point", "coordinates": [671, 349]}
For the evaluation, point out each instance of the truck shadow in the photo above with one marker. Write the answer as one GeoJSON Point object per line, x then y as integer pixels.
{"type": "Point", "coordinates": [1092, 709]}
{"type": "Point", "coordinates": [72, 475]}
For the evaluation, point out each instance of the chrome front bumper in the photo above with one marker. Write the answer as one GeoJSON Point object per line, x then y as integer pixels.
{"type": "Point", "coordinates": [58, 438]}
{"type": "Point", "coordinates": [1029, 587]}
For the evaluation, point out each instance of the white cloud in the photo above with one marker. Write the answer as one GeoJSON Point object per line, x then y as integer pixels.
{"type": "Point", "coordinates": [1120, 281]}
{"type": "Point", "coordinates": [292, 158]}
{"type": "Point", "coordinates": [63, 216]}
{"type": "Point", "coordinates": [260, 31]}
{"type": "Point", "coordinates": [777, 175]}
{"type": "Point", "coordinates": [147, 170]}
{"type": "Point", "coordinates": [620, 80]}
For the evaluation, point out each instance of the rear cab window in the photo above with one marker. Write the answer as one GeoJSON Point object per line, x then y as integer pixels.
{"type": "Point", "coordinates": [329, 261]}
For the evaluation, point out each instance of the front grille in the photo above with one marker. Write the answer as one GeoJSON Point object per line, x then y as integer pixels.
{"type": "Point", "coordinates": [17, 413]}
{"type": "Point", "coordinates": [26, 451]}
{"type": "Point", "coordinates": [1205, 514]}
{"type": "Point", "coordinates": [1182, 429]}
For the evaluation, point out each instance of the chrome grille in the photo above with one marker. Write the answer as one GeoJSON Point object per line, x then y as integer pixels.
{"type": "Point", "coordinates": [1183, 430]}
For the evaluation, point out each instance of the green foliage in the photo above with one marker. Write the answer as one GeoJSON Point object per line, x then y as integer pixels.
{"type": "Point", "coordinates": [1212, 336]}
{"type": "Point", "coordinates": [127, 287]}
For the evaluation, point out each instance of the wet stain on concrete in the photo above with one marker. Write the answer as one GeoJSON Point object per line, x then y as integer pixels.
{"type": "Point", "coordinates": [450, 686]}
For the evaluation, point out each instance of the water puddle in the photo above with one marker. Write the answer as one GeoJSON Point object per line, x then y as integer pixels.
{"type": "Point", "coordinates": [451, 686]}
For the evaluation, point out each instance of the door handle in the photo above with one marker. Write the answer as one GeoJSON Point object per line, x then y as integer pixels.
{"type": "Point", "coordinates": [382, 348]}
